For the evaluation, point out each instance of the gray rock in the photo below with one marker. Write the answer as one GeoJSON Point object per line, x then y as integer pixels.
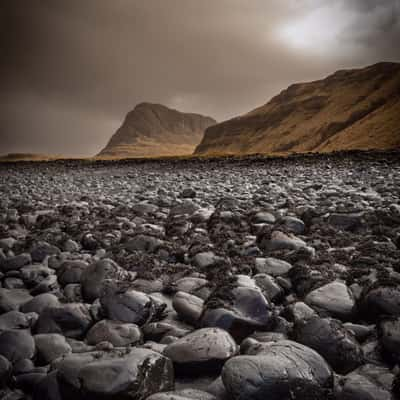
{"type": "Point", "coordinates": [92, 277]}
{"type": "Point", "coordinates": [41, 250]}
{"type": "Point", "coordinates": [12, 299]}
{"type": "Point", "coordinates": [5, 371]}
{"type": "Point", "coordinates": [283, 370]}
{"type": "Point", "coordinates": [72, 320]}
{"type": "Point", "coordinates": [390, 337]}
{"type": "Point", "coordinates": [143, 243]}
{"type": "Point", "coordinates": [117, 333]}
{"type": "Point", "coordinates": [50, 346]}
{"type": "Point", "coordinates": [70, 272]}
{"type": "Point", "coordinates": [369, 382]}
{"type": "Point", "coordinates": [247, 311]}
{"type": "Point", "coordinates": [204, 350]}
{"type": "Point", "coordinates": [272, 266]}
{"type": "Point", "coordinates": [40, 302]}
{"type": "Point", "coordinates": [135, 375]}
{"type": "Point", "coordinates": [334, 342]}
{"type": "Point", "coordinates": [17, 320]}
{"type": "Point", "coordinates": [188, 307]}
{"type": "Point", "coordinates": [335, 299]}
{"type": "Point", "coordinates": [184, 394]}
{"type": "Point", "coordinates": [129, 306]}
{"type": "Point", "coordinates": [15, 262]}
{"type": "Point", "coordinates": [282, 241]}
{"type": "Point", "coordinates": [16, 345]}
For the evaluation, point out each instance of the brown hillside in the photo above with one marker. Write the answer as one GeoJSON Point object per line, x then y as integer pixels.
{"type": "Point", "coordinates": [153, 130]}
{"type": "Point", "coordinates": [351, 109]}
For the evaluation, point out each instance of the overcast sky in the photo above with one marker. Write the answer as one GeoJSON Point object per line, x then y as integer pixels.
{"type": "Point", "coordinates": [71, 69]}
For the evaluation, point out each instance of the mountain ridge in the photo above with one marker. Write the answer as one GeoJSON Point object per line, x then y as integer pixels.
{"type": "Point", "coordinates": [349, 109]}
{"type": "Point", "coordinates": [152, 129]}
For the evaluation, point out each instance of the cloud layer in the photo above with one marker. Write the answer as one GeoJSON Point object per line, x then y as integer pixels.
{"type": "Point", "coordinates": [71, 70]}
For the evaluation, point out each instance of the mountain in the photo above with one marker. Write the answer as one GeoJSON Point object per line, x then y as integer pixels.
{"type": "Point", "coordinates": [351, 109]}
{"type": "Point", "coordinates": [152, 130]}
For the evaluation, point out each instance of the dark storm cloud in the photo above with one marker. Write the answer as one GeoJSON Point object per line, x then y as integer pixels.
{"type": "Point", "coordinates": [70, 70]}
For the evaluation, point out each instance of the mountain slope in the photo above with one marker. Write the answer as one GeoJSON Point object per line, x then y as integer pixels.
{"type": "Point", "coordinates": [351, 109]}
{"type": "Point", "coordinates": [155, 130]}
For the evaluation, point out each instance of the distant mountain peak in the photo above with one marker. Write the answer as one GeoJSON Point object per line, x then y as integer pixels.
{"type": "Point", "coordinates": [152, 130]}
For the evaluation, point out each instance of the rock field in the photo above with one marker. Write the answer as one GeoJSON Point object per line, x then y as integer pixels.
{"type": "Point", "coordinates": [201, 279]}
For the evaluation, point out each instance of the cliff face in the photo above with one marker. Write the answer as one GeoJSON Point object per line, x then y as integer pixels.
{"type": "Point", "coordinates": [351, 109]}
{"type": "Point", "coordinates": [152, 130]}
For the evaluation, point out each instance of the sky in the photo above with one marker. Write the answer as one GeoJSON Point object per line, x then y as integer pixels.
{"type": "Point", "coordinates": [70, 70]}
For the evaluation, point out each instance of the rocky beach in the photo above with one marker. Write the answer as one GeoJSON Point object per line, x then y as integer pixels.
{"type": "Point", "coordinates": [225, 278]}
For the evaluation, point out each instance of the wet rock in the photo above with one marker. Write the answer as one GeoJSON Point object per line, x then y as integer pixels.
{"type": "Point", "coordinates": [205, 259]}
{"type": "Point", "coordinates": [334, 342]}
{"type": "Point", "coordinates": [50, 346]}
{"type": "Point", "coordinates": [380, 300]}
{"type": "Point", "coordinates": [5, 371]}
{"type": "Point", "coordinates": [12, 299]}
{"type": "Point", "coordinates": [242, 311]}
{"type": "Point", "coordinates": [272, 266]}
{"type": "Point", "coordinates": [263, 217]}
{"type": "Point", "coordinates": [144, 243]}
{"type": "Point", "coordinates": [335, 299]}
{"type": "Point", "coordinates": [204, 350]}
{"type": "Point", "coordinates": [47, 388]}
{"type": "Point", "coordinates": [70, 272]}
{"type": "Point", "coordinates": [345, 221]}
{"type": "Point", "coordinates": [184, 394]}
{"type": "Point", "coordinates": [390, 338]}
{"type": "Point", "coordinates": [17, 320]}
{"type": "Point", "coordinates": [292, 224]}
{"type": "Point", "coordinates": [188, 307]}
{"type": "Point", "coordinates": [282, 241]}
{"type": "Point", "coordinates": [41, 250]}
{"type": "Point", "coordinates": [136, 375]}
{"type": "Point", "coordinates": [92, 277]}
{"type": "Point", "coordinates": [71, 320]}
{"type": "Point", "coordinates": [128, 306]}
{"type": "Point", "coordinates": [283, 370]}
{"type": "Point", "coordinates": [40, 302]}
{"type": "Point", "coordinates": [16, 345]}
{"type": "Point", "coordinates": [117, 333]}
{"type": "Point", "coordinates": [369, 382]}
{"type": "Point", "coordinates": [15, 262]}
{"type": "Point", "coordinates": [270, 288]}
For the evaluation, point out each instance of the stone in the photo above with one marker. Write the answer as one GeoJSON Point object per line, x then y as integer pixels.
{"type": "Point", "coordinates": [184, 394]}
{"type": "Point", "coordinates": [282, 241]}
{"type": "Point", "coordinates": [41, 250]}
{"type": "Point", "coordinates": [72, 320]}
{"type": "Point", "coordinates": [246, 311]}
{"type": "Point", "coordinates": [293, 224]}
{"type": "Point", "coordinates": [15, 262]}
{"type": "Point", "coordinates": [92, 277]}
{"type": "Point", "coordinates": [379, 301]}
{"type": "Point", "coordinates": [117, 333]}
{"type": "Point", "coordinates": [335, 299]}
{"type": "Point", "coordinates": [143, 243]}
{"type": "Point", "coordinates": [5, 371]}
{"type": "Point", "coordinates": [389, 331]}
{"type": "Point", "coordinates": [369, 382]}
{"type": "Point", "coordinates": [135, 375]}
{"type": "Point", "coordinates": [283, 370]}
{"type": "Point", "coordinates": [204, 350]}
{"type": "Point", "coordinates": [70, 272]}
{"type": "Point", "coordinates": [188, 307]}
{"type": "Point", "coordinates": [270, 288]}
{"type": "Point", "coordinates": [16, 345]}
{"type": "Point", "coordinates": [17, 320]}
{"type": "Point", "coordinates": [272, 266]}
{"type": "Point", "coordinates": [50, 346]}
{"type": "Point", "coordinates": [40, 302]}
{"type": "Point", "coordinates": [334, 342]}
{"type": "Point", "coordinates": [205, 259]}
{"type": "Point", "coordinates": [13, 299]}
{"type": "Point", "coordinates": [128, 306]}
{"type": "Point", "coordinates": [264, 217]}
